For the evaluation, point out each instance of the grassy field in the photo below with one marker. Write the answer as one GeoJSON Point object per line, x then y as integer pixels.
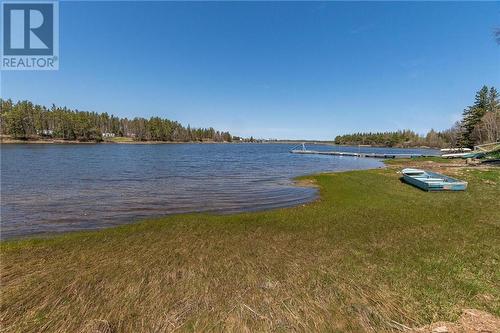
{"type": "Point", "coordinates": [371, 254]}
{"type": "Point", "coordinates": [120, 139]}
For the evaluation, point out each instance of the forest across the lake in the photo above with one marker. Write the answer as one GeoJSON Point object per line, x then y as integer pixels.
{"type": "Point", "coordinates": [27, 121]}
{"type": "Point", "coordinates": [480, 123]}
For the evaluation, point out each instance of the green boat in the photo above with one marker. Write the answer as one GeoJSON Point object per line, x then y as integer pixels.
{"type": "Point", "coordinates": [432, 181]}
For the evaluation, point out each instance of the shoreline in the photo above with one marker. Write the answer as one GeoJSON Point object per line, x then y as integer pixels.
{"type": "Point", "coordinates": [131, 142]}
{"type": "Point", "coordinates": [70, 142]}
{"type": "Point", "coordinates": [306, 180]}
{"type": "Point", "coordinates": [75, 142]}
{"type": "Point", "coordinates": [365, 245]}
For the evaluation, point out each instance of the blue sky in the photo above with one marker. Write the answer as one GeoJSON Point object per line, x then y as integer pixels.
{"type": "Point", "coordinates": [272, 70]}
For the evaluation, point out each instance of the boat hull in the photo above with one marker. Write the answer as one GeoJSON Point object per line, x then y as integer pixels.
{"type": "Point", "coordinates": [431, 181]}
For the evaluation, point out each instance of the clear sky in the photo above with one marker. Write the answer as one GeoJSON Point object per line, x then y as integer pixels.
{"type": "Point", "coordinates": [272, 70]}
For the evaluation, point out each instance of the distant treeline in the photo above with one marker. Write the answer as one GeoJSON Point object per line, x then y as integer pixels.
{"type": "Point", "coordinates": [404, 138]}
{"type": "Point", "coordinates": [25, 120]}
{"type": "Point", "coordinates": [480, 124]}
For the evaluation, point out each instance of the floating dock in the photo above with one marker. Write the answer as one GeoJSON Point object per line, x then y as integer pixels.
{"type": "Point", "coordinates": [374, 155]}
{"type": "Point", "coordinates": [303, 150]}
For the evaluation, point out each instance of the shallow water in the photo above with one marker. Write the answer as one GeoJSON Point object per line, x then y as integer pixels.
{"type": "Point", "coordinates": [49, 188]}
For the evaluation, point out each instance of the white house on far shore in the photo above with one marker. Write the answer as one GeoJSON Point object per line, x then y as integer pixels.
{"type": "Point", "coordinates": [45, 132]}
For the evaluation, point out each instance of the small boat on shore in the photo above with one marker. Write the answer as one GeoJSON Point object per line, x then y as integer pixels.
{"type": "Point", "coordinates": [431, 181]}
{"type": "Point", "coordinates": [455, 150]}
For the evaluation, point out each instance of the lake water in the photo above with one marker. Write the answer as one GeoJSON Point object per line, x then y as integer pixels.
{"type": "Point", "coordinates": [49, 188]}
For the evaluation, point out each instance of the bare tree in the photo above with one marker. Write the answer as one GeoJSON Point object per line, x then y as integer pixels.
{"type": "Point", "coordinates": [490, 124]}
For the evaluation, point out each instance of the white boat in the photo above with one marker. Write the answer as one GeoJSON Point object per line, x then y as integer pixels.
{"type": "Point", "coordinates": [455, 155]}
{"type": "Point", "coordinates": [455, 150]}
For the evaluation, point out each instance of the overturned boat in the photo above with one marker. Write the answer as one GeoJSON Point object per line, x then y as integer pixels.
{"type": "Point", "coordinates": [431, 181]}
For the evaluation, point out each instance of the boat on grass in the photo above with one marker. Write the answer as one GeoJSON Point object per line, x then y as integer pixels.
{"type": "Point", "coordinates": [432, 181]}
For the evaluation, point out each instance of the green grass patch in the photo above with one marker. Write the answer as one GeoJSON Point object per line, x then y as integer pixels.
{"type": "Point", "coordinates": [372, 250]}
{"type": "Point", "coordinates": [493, 154]}
{"type": "Point", "coordinates": [120, 139]}
{"type": "Point", "coordinates": [489, 175]}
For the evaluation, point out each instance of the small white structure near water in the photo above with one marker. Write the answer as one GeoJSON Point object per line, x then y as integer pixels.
{"type": "Point", "coordinates": [45, 132]}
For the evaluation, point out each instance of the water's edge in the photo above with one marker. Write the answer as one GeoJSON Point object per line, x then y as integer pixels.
{"type": "Point", "coordinates": [53, 189]}
{"type": "Point", "coordinates": [305, 181]}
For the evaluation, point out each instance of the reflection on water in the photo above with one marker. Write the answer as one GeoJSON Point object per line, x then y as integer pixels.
{"type": "Point", "coordinates": [55, 188]}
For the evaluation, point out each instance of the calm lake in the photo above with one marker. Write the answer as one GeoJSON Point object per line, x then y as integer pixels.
{"type": "Point", "coordinates": [49, 188]}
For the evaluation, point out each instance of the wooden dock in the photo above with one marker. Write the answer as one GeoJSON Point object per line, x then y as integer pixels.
{"type": "Point", "coordinates": [373, 155]}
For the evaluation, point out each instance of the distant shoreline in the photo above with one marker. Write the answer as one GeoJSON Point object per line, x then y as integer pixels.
{"type": "Point", "coordinates": [5, 140]}
{"type": "Point", "coordinates": [129, 141]}
{"type": "Point", "coordinates": [69, 142]}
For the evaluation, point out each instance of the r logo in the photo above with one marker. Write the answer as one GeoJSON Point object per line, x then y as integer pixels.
{"type": "Point", "coordinates": [28, 29]}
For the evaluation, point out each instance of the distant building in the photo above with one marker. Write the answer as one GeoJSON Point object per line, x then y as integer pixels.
{"type": "Point", "coordinates": [45, 132]}
{"type": "Point", "coordinates": [108, 135]}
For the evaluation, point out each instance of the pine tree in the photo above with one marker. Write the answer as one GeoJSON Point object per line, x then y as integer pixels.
{"type": "Point", "coordinates": [472, 116]}
{"type": "Point", "coordinates": [493, 100]}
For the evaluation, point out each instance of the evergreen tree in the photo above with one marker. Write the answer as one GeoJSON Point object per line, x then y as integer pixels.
{"type": "Point", "coordinates": [486, 100]}
{"type": "Point", "coordinates": [493, 100]}
{"type": "Point", "coordinates": [23, 120]}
